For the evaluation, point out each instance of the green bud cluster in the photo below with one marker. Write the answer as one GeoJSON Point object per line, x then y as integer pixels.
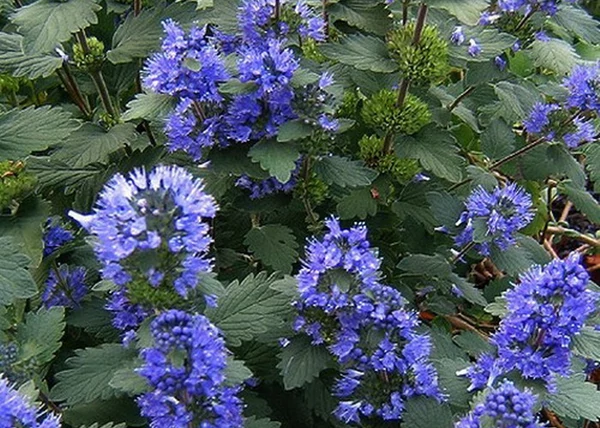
{"type": "Point", "coordinates": [92, 60]}
{"type": "Point", "coordinates": [371, 151]}
{"type": "Point", "coordinates": [311, 51]}
{"type": "Point", "coordinates": [107, 120]}
{"type": "Point", "coordinates": [141, 292]}
{"type": "Point", "coordinates": [381, 112]}
{"type": "Point", "coordinates": [423, 63]}
{"type": "Point", "coordinates": [313, 188]}
{"type": "Point", "coordinates": [350, 104]}
{"type": "Point", "coordinates": [15, 184]}
{"type": "Point", "coordinates": [9, 84]}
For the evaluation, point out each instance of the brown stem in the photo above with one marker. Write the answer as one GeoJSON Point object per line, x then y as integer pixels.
{"type": "Point", "coordinates": [460, 98]}
{"type": "Point", "coordinates": [326, 19]}
{"type": "Point", "coordinates": [72, 89]}
{"type": "Point", "coordinates": [518, 153]}
{"type": "Point", "coordinates": [405, 5]}
{"type": "Point", "coordinates": [558, 230]}
{"type": "Point", "coordinates": [565, 212]}
{"type": "Point", "coordinates": [552, 418]}
{"type": "Point", "coordinates": [421, 17]}
{"type": "Point", "coordinates": [277, 10]}
{"type": "Point", "coordinates": [306, 165]}
{"type": "Point", "coordinates": [44, 398]}
{"type": "Point", "coordinates": [137, 7]}
{"type": "Point", "coordinates": [463, 325]}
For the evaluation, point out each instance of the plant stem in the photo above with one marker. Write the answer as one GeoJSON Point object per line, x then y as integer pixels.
{"type": "Point", "coordinates": [558, 230]}
{"type": "Point", "coordinates": [306, 166]}
{"type": "Point", "coordinates": [98, 79]}
{"type": "Point", "coordinates": [552, 418]}
{"type": "Point", "coordinates": [460, 98]}
{"type": "Point", "coordinates": [518, 153]}
{"type": "Point", "coordinates": [421, 17]}
{"type": "Point", "coordinates": [462, 252]}
{"type": "Point", "coordinates": [525, 19]}
{"type": "Point", "coordinates": [70, 82]}
{"type": "Point", "coordinates": [277, 10]}
{"type": "Point", "coordinates": [326, 19]}
{"type": "Point", "coordinates": [405, 5]}
{"type": "Point", "coordinates": [137, 7]}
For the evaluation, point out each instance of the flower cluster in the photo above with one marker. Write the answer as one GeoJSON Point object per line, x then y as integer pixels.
{"type": "Point", "coordinates": [493, 218]}
{"type": "Point", "coordinates": [65, 287]}
{"type": "Point", "coordinates": [17, 411]}
{"type": "Point", "coordinates": [55, 236]}
{"type": "Point", "coordinates": [570, 121]}
{"type": "Point", "coordinates": [152, 234]}
{"type": "Point", "coordinates": [341, 302]}
{"type": "Point", "coordinates": [266, 187]}
{"type": "Point", "coordinates": [505, 406]}
{"type": "Point", "coordinates": [548, 307]}
{"type": "Point", "coordinates": [192, 387]}
{"type": "Point", "coordinates": [191, 67]}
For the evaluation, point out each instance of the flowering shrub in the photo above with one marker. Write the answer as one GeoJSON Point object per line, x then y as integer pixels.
{"type": "Point", "coordinates": [299, 213]}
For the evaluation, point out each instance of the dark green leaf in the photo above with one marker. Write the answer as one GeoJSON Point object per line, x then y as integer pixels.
{"type": "Point", "coordinates": [364, 14]}
{"type": "Point", "coordinates": [422, 412]}
{"type": "Point", "coordinates": [253, 422]}
{"type": "Point", "coordinates": [15, 280]}
{"type": "Point", "coordinates": [250, 308]}
{"type": "Point", "coordinates": [18, 137]}
{"type": "Point", "coordinates": [45, 23]}
{"type": "Point", "coordinates": [277, 158]}
{"type": "Point", "coordinates": [516, 100]}
{"type": "Point", "coordinates": [586, 344]}
{"type": "Point", "coordinates": [555, 54]}
{"type": "Point", "coordinates": [294, 130]}
{"type": "Point", "coordinates": [592, 164]}
{"type": "Point", "coordinates": [275, 245]}
{"type": "Point", "coordinates": [358, 203]}
{"type": "Point", "coordinates": [16, 61]}
{"type": "Point", "coordinates": [467, 12]}
{"type": "Point", "coordinates": [498, 140]}
{"type": "Point", "coordinates": [150, 106]}
{"type": "Point", "coordinates": [301, 362]}
{"type": "Point", "coordinates": [445, 208]}
{"type": "Point", "coordinates": [424, 264]}
{"type": "Point", "coordinates": [454, 386]}
{"type": "Point", "coordinates": [492, 43]}
{"type": "Point", "coordinates": [236, 372]}
{"type": "Point", "coordinates": [40, 335]}
{"type": "Point", "coordinates": [582, 200]}
{"type": "Point", "coordinates": [579, 22]}
{"type": "Point", "coordinates": [344, 172]}
{"type": "Point", "coordinates": [576, 398]}
{"type": "Point", "coordinates": [127, 381]}
{"type": "Point", "coordinates": [362, 52]}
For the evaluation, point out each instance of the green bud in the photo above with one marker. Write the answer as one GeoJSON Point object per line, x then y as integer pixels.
{"type": "Point", "coordinates": [15, 184]}
{"type": "Point", "coordinates": [311, 51]}
{"type": "Point", "coordinates": [8, 83]}
{"type": "Point", "coordinates": [424, 63]}
{"type": "Point", "coordinates": [141, 292]}
{"type": "Point", "coordinates": [381, 112]}
{"type": "Point", "coordinates": [371, 151]}
{"type": "Point", "coordinates": [92, 60]}
{"type": "Point", "coordinates": [350, 104]}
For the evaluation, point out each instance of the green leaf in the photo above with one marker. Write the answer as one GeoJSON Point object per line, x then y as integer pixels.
{"type": "Point", "coordinates": [93, 317]}
{"type": "Point", "coordinates": [301, 362]}
{"type": "Point", "coordinates": [467, 12]}
{"type": "Point", "coordinates": [274, 244]}
{"type": "Point", "coordinates": [358, 203]}
{"type": "Point", "coordinates": [445, 208]}
{"type": "Point", "coordinates": [25, 227]}
{"type": "Point", "coordinates": [473, 343]}
{"type": "Point", "coordinates": [364, 14]}
{"type": "Point", "coordinates": [578, 22]}
{"type": "Point", "coordinates": [554, 54]}
{"type": "Point", "coordinates": [582, 200]}
{"type": "Point", "coordinates": [586, 344]}
{"type": "Point", "coordinates": [236, 372]}
{"type": "Point", "coordinates": [492, 43]}
{"type": "Point", "coordinates": [250, 308]}
{"type": "Point", "coordinates": [18, 137]}
{"type": "Point", "coordinates": [150, 106]}
{"type": "Point", "coordinates": [468, 290]}
{"type": "Point", "coordinates": [552, 160]}
{"type": "Point", "coordinates": [436, 149]}
{"type": "Point", "coordinates": [40, 335]}
{"type": "Point", "coordinates": [498, 140]}
{"type": "Point", "coordinates": [103, 412]}
{"type": "Point", "coordinates": [253, 422]}
{"type": "Point", "coordinates": [516, 101]}
{"type": "Point", "coordinates": [139, 35]}
{"type": "Point", "coordinates": [422, 412]}
{"type": "Point", "coordinates": [52, 174]}
{"type": "Point", "coordinates": [575, 398]}
{"type": "Point", "coordinates": [362, 52]}
{"type": "Point", "coordinates": [413, 203]}
{"type": "Point", "coordinates": [424, 264]}
{"type": "Point", "coordinates": [344, 172]}
{"type": "Point", "coordinates": [108, 425]}
{"type": "Point", "coordinates": [89, 373]}
{"type": "Point", "coordinates": [277, 158]}
{"type": "Point", "coordinates": [15, 61]}
{"type": "Point", "coordinates": [126, 380]}
{"type": "Point", "coordinates": [455, 387]}
{"type": "Point", "coordinates": [592, 164]}
{"type": "Point", "coordinates": [16, 281]}
{"type": "Point", "coordinates": [92, 143]}
{"type": "Point", "coordinates": [519, 257]}
{"type": "Point", "coordinates": [45, 23]}
{"type": "Point", "coordinates": [294, 130]}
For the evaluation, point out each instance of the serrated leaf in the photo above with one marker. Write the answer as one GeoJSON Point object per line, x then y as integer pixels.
{"type": "Point", "coordinates": [45, 23]}
{"type": "Point", "coordinates": [274, 244]}
{"type": "Point", "coordinates": [344, 172]}
{"type": "Point", "coordinates": [422, 412]}
{"type": "Point", "coordinates": [139, 35]}
{"type": "Point", "coordinates": [116, 410]}
{"type": "Point", "coordinates": [578, 21]}
{"type": "Point", "coordinates": [468, 290]}
{"type": "Point", "coordinates": [93, 317]}
{"type": "Point", "coordinates": [362, 52]}
{"type": "Point", "coordinates": [294, 130]}
{"type": "Point", "coordinates": [586, 343]}
{"type": "Point", "coordinates": [18, 137]}
{"type": "Point", "coordinates": [519, 257]}
{"type": "Point", "coordinates": [592, 164]}
{"type": "Point", "coordinates": [16, 281]}
{"type": "Point", "coordinates": [15, 61]}
{"type": "Point", "coordinates": [253, 422]}
{"type": "Point", "coordinates": [473, 343]}
{"type": "Point", "coordinates": [319, 398]}
{"type": "Point", "coordinates": [126, 380]}
{"type": "Point", "coordinates": [424, 264]}
{"type": "Point", "coordinates": [250, 308]}
{"type": "Point", "coordinates": [551, 160]}
{"type": "Point", "coordinates": [26, 227]}
{"type": "Point", "coordinates": [467, 12]}
{"type": "Point", "coordinates": [445, 208]}
{"type": "Point", "coordinates": [357, 204]}
{"type": "Point", "coordinates": [40, 335]}
{"type": "Point", "coordinates": [89, 373]}
{"type": "Point", "coordinates": [52, 173]}
{"type": "Point", "coordinates": [575, 398]}
{"type": "Point", "coordinates": [516, 101]}
{"type": "Point", "coordinates": [301, 362]}
{"type": "Point", "coordinates": [236, 372]}
{"type": "Point", "coordinates": [554, 54]}
{"type": "Point", "coordinates": [277, 158]}
{"type": "Point", "coordinates": [582, 200]}
{"type": "Point", "coordinates": [150, 106]}
{"type": "Point", "coordinates": [363, 14]}
{"type": "Point", "coordinates": [436, 149]}
{"type": "Point", "coordinates": [492, 43]}
{"type": "Point", "coordinates": [413, 203]}
{"type": "Point", "coordinates": [108, 425]}
{"type": "Point", "coordinates": [455, 387]}
{"type": "Point", "coordinates": [498, 140]}
{"type": "Point", "coordinates": [93, 144]}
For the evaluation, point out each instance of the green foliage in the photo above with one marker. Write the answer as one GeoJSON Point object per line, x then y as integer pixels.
{"type": "Point", "coordinates": [301, 363]}
{"type": "Point", "coordinates": [16, 183]}
{"type": "Point", "coordinates": [343, 172]}
{"type": "Point", "coordinates": [15, 280]}
{"type": "Point", "coordinates": [362, 52]}
{"type": "Point", "coordinates": [274, 245]}
{"type": "Point", "coordinates": [39, 337]}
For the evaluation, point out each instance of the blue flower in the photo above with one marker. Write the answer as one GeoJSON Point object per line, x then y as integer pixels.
{"type": "Point", "coordinates": [260, 189]}
{"type": "Point", "coordinates": [511, 5]}
{"type": "Point", "coordinates": [539, 118]}
{"type": "Point", "coordinates": [585, 132]}
{"type": "Point", "coordinates": [17, 410]}
{"type": "Point", "coordinates": [126, 315]}
{"type": "Point", "coordinates": [500, 62]}
{"type": "Point", "coordinates": [65, 287]}
{"type": "Point", "coordinates": [494, 218]}
{"type": "Point", "coordinates": [582, 85]}
{"type": "Point", "coordinates": [474, 48]}
{"type": "Point", "coordinates": [548, 307]}
{"type": "Point", "coordinates": [190, 390]}
{"type": "Point", "coordinates": [458, 36]}
{"type": "Point", "coordinates": [505, 406]}
{"type": "Point", "coordinates": [313, 24]}
{"type": "Point", "coordinates": [55, 236]}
